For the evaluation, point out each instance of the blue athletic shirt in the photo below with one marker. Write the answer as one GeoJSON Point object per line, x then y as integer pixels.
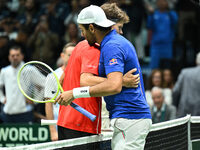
{"type": "Point", "coordinates": [118, 55]}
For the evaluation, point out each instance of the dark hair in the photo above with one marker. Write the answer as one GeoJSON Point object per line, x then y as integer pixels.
{"type": "Point", "coordinates": [104, 29]}
{"type": "Point", "coordinates": [16, 47]}
{"type": "Point", "coordinates": [86, 26]}
{"type": "Point", "coordinates": [153, 72]}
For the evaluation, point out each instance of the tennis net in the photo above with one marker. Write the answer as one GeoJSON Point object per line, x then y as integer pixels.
{"type": "Point", "coordinates": [169, 135]}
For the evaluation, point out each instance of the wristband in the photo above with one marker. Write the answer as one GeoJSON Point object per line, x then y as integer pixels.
{"type": "Point", "coordinates": [81, 92]}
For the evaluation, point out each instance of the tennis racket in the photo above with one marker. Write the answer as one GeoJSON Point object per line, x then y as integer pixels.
{"type": "Point", "coordinates": [39, 83]}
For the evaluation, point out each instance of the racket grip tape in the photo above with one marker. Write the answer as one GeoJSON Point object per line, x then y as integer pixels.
{"type": "Point", "coordinates": [83, 111]}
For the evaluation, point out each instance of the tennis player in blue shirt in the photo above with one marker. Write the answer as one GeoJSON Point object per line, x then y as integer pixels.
{"type": "Point", "coordinates": [129, 112]}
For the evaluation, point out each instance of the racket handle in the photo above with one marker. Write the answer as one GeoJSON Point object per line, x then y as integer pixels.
{"type": "Point", "coordinates": [83, 111]}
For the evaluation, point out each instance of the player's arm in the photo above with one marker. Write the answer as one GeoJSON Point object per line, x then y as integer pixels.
{"type": "Point", "coordinates": [129, 80]}
{"type": "Point", "coordinates": [50, 116]}
{"type": "Point", "coordinates": [89, 71]}
{"type": "Point", "coordinates": [111, 86]}
{"type": "Point", "coordinates": [62, 78]}
{"type": "Point", "coordinates": [49, 109]}
{"type": "Point", "coordinates": [89, 79]}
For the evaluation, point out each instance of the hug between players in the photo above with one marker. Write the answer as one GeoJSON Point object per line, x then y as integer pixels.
{"type": "Point", "coordinates": [129, 56]}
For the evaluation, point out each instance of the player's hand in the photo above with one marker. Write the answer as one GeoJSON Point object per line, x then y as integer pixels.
{"type": "Point", "coordinates": [130, 80]}
{"type": "Point", "coordinates": [65, 98]}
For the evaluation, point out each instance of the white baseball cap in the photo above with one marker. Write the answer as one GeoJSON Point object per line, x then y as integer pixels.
{"type": "Point", "coordinates": [94, 14]}
{"type": "Point", "coordinates": [198, 58]}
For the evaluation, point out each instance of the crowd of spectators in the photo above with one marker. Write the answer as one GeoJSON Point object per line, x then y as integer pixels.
{"type": "Point", "coordinates": [42, 27]}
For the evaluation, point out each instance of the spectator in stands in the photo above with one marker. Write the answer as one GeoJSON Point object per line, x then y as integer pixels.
{"type": "Point", "coordinates": [186, 92]}
{"type": "Point", "coordinates": [133, 30]}
{"type": "Point", "coordinates": [44, 43]}
{"type": "Point", "coordinates": [8, 26]}
{"type": "Point", "coordinates": [76, 6]}
{"type": "Point", "coordinates": [13, 5]}
{"type": "Point", "coordinates": [21, 40]}
{"type": "Point", "coordinates": [72, 33]}
{"type": "Point", "coordinates": [162, 22]}
{"type": "Point", "coordinates": [30, 16]}
{"type": "Point", "coordinates": [73, 15]}
{"type": "Point", "coordinates": [50, 109]}
{"type": "Point", "coordinates": [156, 79]}
{"type": "Point", "coordinates": [4, 44]}
{"type": "Point", "coordinates": [4, 11]}
{"type": "Point", "coordinates": [161, 111]}
{"type": "Point", "coordinates": [21, 7]}
{"type": "Point", "coordinates": [56, 11]}
{"type": "Point", "coordinates": [17, 108]}
{"type": "Point", "coordinates": [168, 79]}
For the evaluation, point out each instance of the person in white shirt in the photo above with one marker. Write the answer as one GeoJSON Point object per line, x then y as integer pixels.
{"type": "Point", "coordinates": [16, 109]}
{"type": "Point", "coordinates": [52, 110]}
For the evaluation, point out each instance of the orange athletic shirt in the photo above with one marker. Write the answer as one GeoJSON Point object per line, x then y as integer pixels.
{"type": "Point", "coordinates": [84, 58]}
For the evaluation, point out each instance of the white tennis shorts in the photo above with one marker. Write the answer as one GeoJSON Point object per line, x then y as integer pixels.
{"type": "Point", "coordinates": [129, 134]}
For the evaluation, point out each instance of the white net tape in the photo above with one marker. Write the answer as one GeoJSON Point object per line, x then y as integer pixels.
{"type": "Point", "coordinates": [105, 136]}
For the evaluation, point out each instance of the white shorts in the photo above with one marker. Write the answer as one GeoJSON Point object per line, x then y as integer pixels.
{"type": "Point", "coordinates": [129, 134]}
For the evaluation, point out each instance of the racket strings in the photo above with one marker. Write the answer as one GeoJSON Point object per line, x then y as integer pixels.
{"type": "Point", "coordinates": [43, 69]}
{"type": "Point", "coordinates": [38, 82]}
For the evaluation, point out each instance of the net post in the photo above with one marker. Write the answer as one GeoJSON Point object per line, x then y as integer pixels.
{"type": "Point", "coordinates": [189, 132]}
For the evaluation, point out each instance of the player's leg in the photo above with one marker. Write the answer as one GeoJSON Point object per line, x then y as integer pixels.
{"type": "Point", "coordinates": [136, 134]}
{"type": "Point", "coordinates": [118, 138]}
{"type": "Point", "coordinates": [133, 133]}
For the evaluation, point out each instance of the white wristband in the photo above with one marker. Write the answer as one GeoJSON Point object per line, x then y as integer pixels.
{"type": "Point", "coordinates": [81, 92]}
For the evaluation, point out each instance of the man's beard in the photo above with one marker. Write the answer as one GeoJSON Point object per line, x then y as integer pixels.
{"type": "Point", "coordinates": [91, 43]}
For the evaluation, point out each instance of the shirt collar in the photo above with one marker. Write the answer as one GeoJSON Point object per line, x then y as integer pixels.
{"type": "Point", "coordinates": [162, 108]}
{"type": "Point", "coordinates": [19, 66]}
{"type": "Point", "coordinates": [107, 37]}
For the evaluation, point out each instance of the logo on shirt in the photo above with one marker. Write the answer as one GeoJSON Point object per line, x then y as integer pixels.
{"type": "Point", "coordinates": [92, 66]}
{"type": "Point", "coordinates": [113, 61]}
